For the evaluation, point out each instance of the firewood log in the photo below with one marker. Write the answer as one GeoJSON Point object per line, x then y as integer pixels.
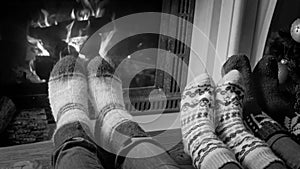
{"type": "Point", "coordinates": [7, 111]}
{"type": "Point", "coordinates": [28, 126]}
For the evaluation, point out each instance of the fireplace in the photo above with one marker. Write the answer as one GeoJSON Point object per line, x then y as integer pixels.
{"type": "Point", "coordinates": [49, 31]}
{"type": "Point", "coordinates": [42, 32]}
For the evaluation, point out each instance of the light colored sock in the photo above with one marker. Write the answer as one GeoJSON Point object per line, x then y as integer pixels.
{"type": "Point", "coordinates": [252, 152]}
{"type": "Point", "coordinates": [114, 130]}
{"type": "Point", "coordinates": [198, 129]}
{"type": "Point", "coordinates": [107, 97]}
{"type": "Point", "coordinates": [68, 92]}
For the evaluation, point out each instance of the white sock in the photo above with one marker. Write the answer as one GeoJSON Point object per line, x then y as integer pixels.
{"type": "Point", "coordinates": [252, 152]}
{"type": "Point", "coordinates": [107, 96]}
{"type": "Point", "coordinates": [198, 128]}
{"type": "Point", "coordinates": [68, 93]}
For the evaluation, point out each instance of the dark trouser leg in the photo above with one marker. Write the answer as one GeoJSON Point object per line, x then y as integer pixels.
{"type": "Point", "coordinates": [74, 148]}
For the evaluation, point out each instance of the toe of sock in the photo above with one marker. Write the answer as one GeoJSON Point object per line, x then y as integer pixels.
{"type": "Point", "coordinates": [99, 66]}
{"type": "Point", "coordinates": [238, 62]}
{"type": "Point", "coordinates": [234, 76]}
{"type": "Point", "coordinates": [67, 66]}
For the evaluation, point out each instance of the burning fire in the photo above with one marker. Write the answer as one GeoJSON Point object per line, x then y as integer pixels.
{"type": "Point", "coordinates": [44, 20]}
{"type": "Point", "coordinates": [106, 38]}
{"type": "Point", "coordinates": [38, 47]}
{"type": "Point", "coordinates": [76, 42]}
{"type": "Point", "coordinates": [79, 15]}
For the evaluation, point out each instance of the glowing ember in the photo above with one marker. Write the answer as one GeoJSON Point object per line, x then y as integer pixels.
{"type": "Point", "coordinates": [38, 46]}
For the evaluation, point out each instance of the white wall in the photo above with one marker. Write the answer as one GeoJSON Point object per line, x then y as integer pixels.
{"type": "Point", "coordinates": [257, 20]}
{"type": "Point", "coordinates": [216, 35]}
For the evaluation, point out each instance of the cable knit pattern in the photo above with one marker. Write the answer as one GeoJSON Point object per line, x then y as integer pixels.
{"type": "Point", "coordinates": [252, 152]}
{"type": "Point", "coordinates": [197, 125]}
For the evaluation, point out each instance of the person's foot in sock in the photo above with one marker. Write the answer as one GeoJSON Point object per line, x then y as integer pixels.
{"type": "Point", "coordinates": [115, 131]}
{"type": "Point", "coordinates": [252, 152]}
{"type": "Point", "coordinates": [68, 92]}
{"type": "Point", "coordinates": [68, 97]}
{"type": "Point", "coordinates": [198, 128]}
{"type": "Point", "coordinates": [261, 125]}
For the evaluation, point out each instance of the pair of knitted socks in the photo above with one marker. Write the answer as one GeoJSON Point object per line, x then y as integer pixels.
{"type": "Point", "coordinates": [212, 127]}
{"type": "Point", "coordinates": [70, 88]}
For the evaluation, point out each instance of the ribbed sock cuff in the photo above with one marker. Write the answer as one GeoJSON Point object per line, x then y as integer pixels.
{"type": "Point", "coordinates": [218, 158]}
{"type": "Point", "coordinates": [261, 158]}
{"type": "Point", "coordinates": [71, 130]}
{"type": "Point", "coordinates": [287, 149]}
{"type": "Point", "coordinates": [73, 116]}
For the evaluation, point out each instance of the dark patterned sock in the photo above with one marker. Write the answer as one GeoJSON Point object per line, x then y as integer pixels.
{"type": "Point", "coordinates": [276, 137]}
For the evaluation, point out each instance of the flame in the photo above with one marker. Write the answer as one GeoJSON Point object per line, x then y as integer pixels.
{"type": "Point", "coordinates": [38, 46]}
{"type": "Point", "coordinates": [84, 15]}
{"type": "Point", "coordinates": [73, 14]}
{"type": "Point", "coordinates": [77, 41]}
{"type": "Point", "coordinates": [106, 38]}
{"type": "Point", "coordinates": [87, 4]}
{"type": "Point", "coordinates": [37, 49]}
{"type": "Point", "coordinates": [69, 31]}
{"type": "Point", "coordinates": [105, 41]}
{"type": "Point", "coordinates": [43, 20]}
{"type": "Point", "coordinates": [46, 15]}
{"type": "Point", "coordinates": [99, 13]}
{"type": "Point", "coordinates": [47, 20]}
{"type": "Point", "coordinates": [87, 12]}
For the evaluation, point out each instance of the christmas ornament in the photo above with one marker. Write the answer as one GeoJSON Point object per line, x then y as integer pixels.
{"type": "Point", "coordinates": [295, 30]}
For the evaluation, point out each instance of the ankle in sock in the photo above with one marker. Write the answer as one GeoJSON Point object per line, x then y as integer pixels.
{"type": "Point", "coordinates": [107, 97]}
{"type": "Point", "coordinates": [197, 126]}
{"type": "Point", "coordinates": [114, 130]}
{"type": "Point", "coordinates": [252, 152]}
{"type": "Point", "coordinates": [68, 93]}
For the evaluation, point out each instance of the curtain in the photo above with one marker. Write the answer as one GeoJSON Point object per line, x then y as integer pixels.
{"type": "Point", "coordinates": [265, 10]}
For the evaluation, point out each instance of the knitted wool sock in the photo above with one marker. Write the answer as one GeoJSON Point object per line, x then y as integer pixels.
{"type": "Point", "coordinates": [198, 129]}
{"type": "Point", "coordinates": [276, 137]}
{"type": "Point", "coordinates": [114, 130]}
{"type": "Point", "coordinates": [107, 97]}
{"type": "Point", "coordinates": [262, 126]}
{"type": "Point", "coordinates": [68, 93]}
{"type": "Point", "coordinates": [252, 152]}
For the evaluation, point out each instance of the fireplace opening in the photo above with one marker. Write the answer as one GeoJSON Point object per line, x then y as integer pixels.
{"type": "Point", "coordinates": [37, 33]}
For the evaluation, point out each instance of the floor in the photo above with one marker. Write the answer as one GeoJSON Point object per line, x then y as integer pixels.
{"type": "Point", "coordinates": [38, 155]}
